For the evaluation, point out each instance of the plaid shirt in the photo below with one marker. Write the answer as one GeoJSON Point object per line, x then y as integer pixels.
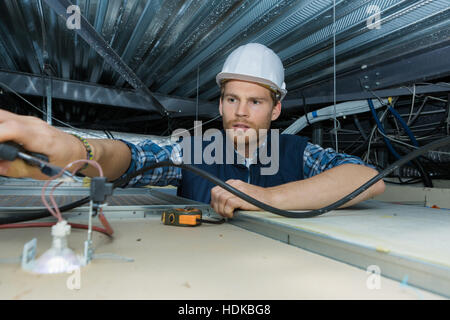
{"type": "Point", "coordinates": [315, 160]}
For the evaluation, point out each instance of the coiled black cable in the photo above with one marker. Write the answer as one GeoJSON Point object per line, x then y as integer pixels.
{"type": "Point", "coordinates": [259, 204]}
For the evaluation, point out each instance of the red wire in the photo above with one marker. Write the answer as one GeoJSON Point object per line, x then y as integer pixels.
{"type": "Point", "coordinates": [108, 230]}
{"type": "Point", "coordinates": [50, 224]}
{"type": "Point", "coordinates": [105, 223]}
{"type": "Point", "coordinates": [57, 213]}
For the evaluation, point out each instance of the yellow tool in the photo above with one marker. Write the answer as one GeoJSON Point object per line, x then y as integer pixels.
{"type": "Point", "coordinates": [183, 217]}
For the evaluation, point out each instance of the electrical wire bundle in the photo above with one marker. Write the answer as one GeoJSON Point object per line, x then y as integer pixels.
{"type": "Point", "coordinates": [396, 133]}
{"type": "Point", "coordinates": [54, 209]}
{"type": "Point", "coordinates": [403, 139]}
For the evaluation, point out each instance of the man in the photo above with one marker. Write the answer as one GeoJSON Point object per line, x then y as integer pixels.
{"type": "Point", "coordinates": [252, 88]}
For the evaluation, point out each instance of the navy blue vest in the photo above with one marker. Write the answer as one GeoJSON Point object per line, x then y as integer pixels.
{"type": "Point", "coordinates": [290, 167]}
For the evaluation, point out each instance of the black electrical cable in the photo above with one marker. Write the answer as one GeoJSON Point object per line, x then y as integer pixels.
{"type": "Point", "coordinates": [409, 181]}
{"type": "Point", "coordinates": [212, 221]}
{"type": "Point", "coordinates": [290, 214]}
{"type": "Point", "coordinates": [425, 176]}
{"type": "Point", "coordinates": [108, 134]}
{"type": "Point", "coordinates": [27, 215]}
{"type": "Point", "coordinates": [359, 127]}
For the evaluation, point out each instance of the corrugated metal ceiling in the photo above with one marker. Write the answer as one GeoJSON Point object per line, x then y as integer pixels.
{"type": "Point", "coordinates": [177, 47]}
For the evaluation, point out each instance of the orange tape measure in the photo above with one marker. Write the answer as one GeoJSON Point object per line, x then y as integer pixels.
{"type": "Point", "coordinates": [183, 217]}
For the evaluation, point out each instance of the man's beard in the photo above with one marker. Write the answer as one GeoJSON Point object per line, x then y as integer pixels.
{"type": "Point", "coordinates": [248, 139]}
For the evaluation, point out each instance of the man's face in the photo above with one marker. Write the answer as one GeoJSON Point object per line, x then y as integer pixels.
{"type": "Point", "coordinates": [246, 108]}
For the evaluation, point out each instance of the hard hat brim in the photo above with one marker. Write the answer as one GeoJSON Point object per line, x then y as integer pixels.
{"type": "Point", "coordinates": [234, 76]}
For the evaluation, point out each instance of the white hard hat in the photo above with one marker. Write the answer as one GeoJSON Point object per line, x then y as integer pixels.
{"type": "Point", "coordinates": [256, 63]}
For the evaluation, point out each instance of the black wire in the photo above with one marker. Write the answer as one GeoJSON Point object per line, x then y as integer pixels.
{"type": "Point", "coordinates": [212, 221]}
{"type": "Point", "coordinates": [259, 204]}
{"type": "Point", "coordinates": [27, 215]}
{"type": "Point", "coordinates": [359, 127]}
{"type": "Point", "coordinates": [108, 134]}
{"type": "Point", "coordinates": [409, 181]}
{"type": "Point", "coordinates": [424, 175]}
{"type": "Point", "coordinates": [426, 178]}
{"type": "Point", "coordinates": [292, 214]}
{"type": "Point", "coordinates": [443, 166]}
{"type": "Point", "coordinates": [306, 110]}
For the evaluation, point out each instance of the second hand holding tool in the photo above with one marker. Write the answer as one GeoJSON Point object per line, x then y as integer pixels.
{"type": "Point", "coordinates": [11, 151]}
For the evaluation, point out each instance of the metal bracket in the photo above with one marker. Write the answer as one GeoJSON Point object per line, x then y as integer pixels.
{"type": "Point", "coordinates": [371, 80]}
{"type": "Point", "coordinates": [28, 254]}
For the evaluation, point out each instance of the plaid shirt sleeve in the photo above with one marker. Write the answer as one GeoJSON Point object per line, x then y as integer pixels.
{"type": "Point", "coordinates": [316, 160]}
{"type": "Point", "coordinates": [148, 152]}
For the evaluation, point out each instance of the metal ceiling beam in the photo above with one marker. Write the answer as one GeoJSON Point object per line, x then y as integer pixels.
{"type": "Point", "coordinates": [96, 41]}
{"type": "Point", "coordinates": [360, 83]}
{"type": "Point", "coordinates": [291, 103]}
{"type": "Point", "coordinates": [29, 84]}
{"type": "Point", "coordinates": [394, 46]}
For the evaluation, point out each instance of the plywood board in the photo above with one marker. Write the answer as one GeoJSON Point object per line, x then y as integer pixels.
{"type": "Point", "coordinates": [408, 241]}
{"type": "Point", "coordinates": [206, 262]}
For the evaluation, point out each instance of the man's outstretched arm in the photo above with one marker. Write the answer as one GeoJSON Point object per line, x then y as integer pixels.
{"type": "Point", "coordinates": [116, 157]}
{"type": "Point", "coordinates": [37, 136]}
{"type": "Point", "coordinates": [313, 193]}
{"type": "Point", "coordinates": [326, 188]}
{"type": "Point", "coordinates": [328, 177]}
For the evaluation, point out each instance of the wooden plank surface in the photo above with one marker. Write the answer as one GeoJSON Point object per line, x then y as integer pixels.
{"type": "Point", "coordinates": [404, 241]}
{"type": "Point", "coordinates": [206, 262]}
{"type": "Point", "coordinates": [412, 231]}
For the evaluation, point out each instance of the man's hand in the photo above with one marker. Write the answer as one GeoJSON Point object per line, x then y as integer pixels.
{"type": "Point", "coordinates": [35, 135]}
{"type": "Point", "coordinates": [224, 203]}
{"type": "Point", "coordinates": [61, 148]}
